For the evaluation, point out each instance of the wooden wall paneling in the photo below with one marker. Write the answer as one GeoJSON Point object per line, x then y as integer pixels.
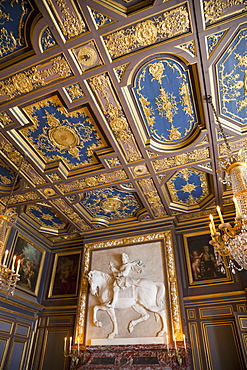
{"type": "Point", "coordinates": [241, 322]}
{"type": "Point", "coordinates": [52, 328]}
{"type": "Point", "coordinates": [53, 343]}
{"type": "Point", "coordinates": [17, 355]}
{"type": "Point", "coordinates": [15, 341]}
{"type": "Point", "coordinates": [221, 345]}
{"type": "Point", "coordinates": [195, 346]}
{"type": "Point", "coordinates": [4, 344]}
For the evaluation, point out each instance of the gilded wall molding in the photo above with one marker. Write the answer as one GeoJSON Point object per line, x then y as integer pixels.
{"type": "Point", "coordinates": [171, 274]}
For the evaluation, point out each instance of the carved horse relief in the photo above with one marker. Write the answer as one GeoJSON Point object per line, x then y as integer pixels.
{"type": "Point", "coordinates": [147, 296]}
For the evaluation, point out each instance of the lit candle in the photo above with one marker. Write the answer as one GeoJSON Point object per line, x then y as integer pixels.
{"type": "Point", "coordinates": [18, 267]}
{"type": "Point", "coordinates": [70, 342]}
{"type": "Point", "coordinates": [65, 344]}
{"type": "Point", "coordinates": [175, 343]}
{"type": "Point", "coordinates": [238, 213]}
{"type": "Point", "coordinates": [184, 343]}
{"type": "Point", "coordinates": [212, 222]}
{"type": "Point", "coordinates": [13, 264]}
{"type": "Point", "coordinates": [5, 257]}
{"type": "Point", "coordinates": [211, 229]}
{"type": "Point", "coordinates": [78, 343]}
{"type": "Point", "coordinates": [220, 214]}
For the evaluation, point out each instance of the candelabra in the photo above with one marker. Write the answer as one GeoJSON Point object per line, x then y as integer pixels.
{"type": "Point", "coordinates": [8, 276]}
{"type": "Point", "coordinates": [72, 353]}
{"type": "Point", "coordinates": [179, 353]}
{"type": "Point", "coordinates": [231, 240]}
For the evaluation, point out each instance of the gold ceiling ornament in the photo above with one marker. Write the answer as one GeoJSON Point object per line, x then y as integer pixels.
{"type": "Point", "coordinates": [111, 204]}
{"type": "Point", "coordinates": [156, 70]}
{"type": "Point", "coordinates": [146, 33]}
{"type": "Point", "coordinates": [49, 192]}
{"type": "Point", "coordinates": [9, 276]}
{"type": "Point", "coordinates": [64, 137]}
{"type": "Point", "coordinates": [87, 56]}
{"type": "Point", "coordinates": [231, 240]}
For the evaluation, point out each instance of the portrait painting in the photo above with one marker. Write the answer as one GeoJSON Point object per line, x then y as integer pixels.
{"type": "Point", "coordinates": [31, 262]}
{"type": "Point", "coordinates": [64, 281]}
{"type": "Point", "coordinates": [203, 267]}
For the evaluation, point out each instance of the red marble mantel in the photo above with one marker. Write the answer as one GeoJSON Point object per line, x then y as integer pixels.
{"type": "Point", "coordinates": [125, 357]}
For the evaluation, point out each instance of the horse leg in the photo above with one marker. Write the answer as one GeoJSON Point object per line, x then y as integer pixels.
{"type": "Point", "coordinates": [111, 313]}
{"type": "Point", "coordinates": [95, 321]}
{"type": "Point", "coordinates": [162, 315]}
{"type": "Point", "coordinates": [144, 316]}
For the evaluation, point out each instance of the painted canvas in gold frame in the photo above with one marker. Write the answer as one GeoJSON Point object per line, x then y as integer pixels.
{"type": "Point", "coordinates": [114, 248]}
{"type": "Point", "coordinates": [65, 275]}
{"type": "Point", "coordinates": [201, 263]}
{"type": "Point", "coordinates": [31, 264]}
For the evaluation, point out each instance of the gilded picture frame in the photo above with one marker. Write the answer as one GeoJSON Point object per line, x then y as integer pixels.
{"type": "Point", "coordinates": [65, 275]}
{"type": "Point", "coordinates": [99, 256]}
{"type": "Point", "coordinates": [31, 259]}
{"type": "Point", "coordinates": [202, 266]}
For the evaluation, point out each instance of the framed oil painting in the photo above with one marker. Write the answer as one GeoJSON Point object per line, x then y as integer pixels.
{"type": "Point", "coordinates": [65, 275]}
{"type": "Point", "coordinates": [31, 264]}
{"type": "Point", "coordinates": [201, 262]}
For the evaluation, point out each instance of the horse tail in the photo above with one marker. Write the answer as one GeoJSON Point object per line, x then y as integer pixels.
{"type": "Point", "coordinates": [160, 297]}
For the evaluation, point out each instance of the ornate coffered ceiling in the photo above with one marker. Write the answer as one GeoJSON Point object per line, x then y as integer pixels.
{"type": "Point", "coordinates": [105, 102]}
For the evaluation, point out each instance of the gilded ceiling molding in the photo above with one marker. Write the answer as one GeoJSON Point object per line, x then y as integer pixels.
{"type": "Point", "coordinates": [162, 27]}
{"type": "Point", "coordinates": [111, 204]}
{"type": "Point", "coordinates": [87, 56]}
{"type": "Point", "coordinates": [100, 20]}
{"type": "Point", "coordinates": [113, 162]}
{"type": "Point", "coordinates": [196, 155]}
{"type": "Point", "coordinates": [32, 174]}
{"type": "Point", "coordinates": [47, 40]}
{"type": "Point", "coordinates": [12, 30]}
{"type": "Point", "coordinates": [152, 196]}
{"type": "Point", "coordinates": [171, 273]}
{"type": "Point", "coordinates": [133, 7]}
{"type": "Point", "coordinates": [213, 41]}
{"type": "Point", "coordinates": [45, 217]}
{"type": "Point", "coordinates": [6, 177]}
{"type": "Point", "coordinates": [165, 99]}
{"type": "Point", "coordinates": [22, 198]}
{"type": "Point", "coordinates": [194, 215]}
{"type": "Point", "coordinates": [54, 177]}
{"type": "Point", "coordinates": [219, 10]}
{"type": "Point", "coordinates": [15, 157]}
{"type": "Point", "coordinates": [140, 170]}
{"type": "Point", "coordinates": [70, 213]}
{"type": "Point", "coordinates": [235, 147]}
{"type": "Point", "coordinates": [188, 186]}
{"type": "Point", "coordinates": [5, 119]}
{"type": "Point", "coordinates": [120, 71]}
{"type": "Point", "coordinates": [205, 140]}
{"type": "Point", "coordinates": [114, 114]}
{"type": "Point", "coordinates": [69, 19]}
{"type": "Point", "coordinates": [38, 76]}
{"type": "Point", "coordinates": [231, 77]}
{"type": "Point", "coordinates": [74, 92]}
{"type": "Point", "coordinates": [57, 134]}
{"type": "Point", "coordinates": [189, 47]}
{"type": "Point", "coordinates": [91, 182]}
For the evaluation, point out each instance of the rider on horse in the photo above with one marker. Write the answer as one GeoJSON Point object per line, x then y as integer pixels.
{"type": "Point", "coordinates": [122, 279]}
